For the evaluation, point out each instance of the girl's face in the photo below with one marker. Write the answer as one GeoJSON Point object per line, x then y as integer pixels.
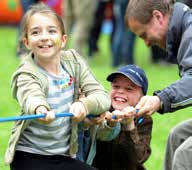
{"type": "Point", "coordinates": [44, 37]}
{"type": "Point", "coordinates": [124, 92]}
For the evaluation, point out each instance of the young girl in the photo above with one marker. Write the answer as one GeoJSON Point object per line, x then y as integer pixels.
{"type": "Point", "coordinates": [47, 81]}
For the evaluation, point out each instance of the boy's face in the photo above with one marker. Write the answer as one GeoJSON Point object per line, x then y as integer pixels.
{"type": "Point", "coordinates": [124, 92]}
{"type": "Point", "coordinates": [44, 36]}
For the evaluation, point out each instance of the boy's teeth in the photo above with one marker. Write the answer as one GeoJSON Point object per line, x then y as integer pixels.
{"type": "Point", "coordinates": [120, 99]}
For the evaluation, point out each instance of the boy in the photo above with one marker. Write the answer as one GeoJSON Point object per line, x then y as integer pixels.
{"type": "Point", "coordinates": [126, 147]}
{"type": "Point", "coordinates": [132, 146]}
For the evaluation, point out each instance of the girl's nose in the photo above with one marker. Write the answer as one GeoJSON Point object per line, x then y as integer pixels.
{"type": "Point", "coordinates": [44, 36]}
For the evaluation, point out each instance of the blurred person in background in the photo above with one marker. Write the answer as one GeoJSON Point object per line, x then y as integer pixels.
{"type": "Point", "coordinates": [123, 39]}
{"type": "Point", "coordinates": [99, 17]}
{"type": "Point", "coordinates": [21, 50]}
{"type": "Point", "coordinates": [78, 18]}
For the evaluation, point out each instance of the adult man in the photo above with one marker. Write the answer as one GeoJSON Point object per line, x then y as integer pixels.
{"type": "Point", "coordinates": [168, 25]}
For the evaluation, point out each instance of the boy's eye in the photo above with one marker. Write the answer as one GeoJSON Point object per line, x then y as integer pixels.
{"type": "Point", "coordinates": [130, 88]}
{"type": "Point", "coordinates": [115, 86]}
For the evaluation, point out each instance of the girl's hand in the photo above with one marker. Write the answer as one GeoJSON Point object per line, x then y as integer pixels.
{"type": "Point", "coordinates": [98, 119]}
{"type": "Point", "coordinates": [50, 115]}
{"type": "Point", "coordinates": [78, 111]}
{"type": "Point", "coordinates": [94, 121]}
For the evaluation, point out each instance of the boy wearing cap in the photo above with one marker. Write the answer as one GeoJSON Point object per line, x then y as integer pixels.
{"type": "Point", "coordinates": [131, 148]}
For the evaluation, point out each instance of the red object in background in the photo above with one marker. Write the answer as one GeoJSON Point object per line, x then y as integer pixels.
{"type": "Point", "coordinates": [10, 11]}
{"type": "Point", "coordinates": [109, 11]}
{"type": "Point", "coordinates": [56, 5]}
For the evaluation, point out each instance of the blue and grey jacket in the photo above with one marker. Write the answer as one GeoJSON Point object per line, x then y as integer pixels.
{"type": "Point", "coordinates": [179, 48]}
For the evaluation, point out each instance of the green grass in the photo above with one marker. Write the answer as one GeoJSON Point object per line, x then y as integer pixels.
{"type": "Point", "coordinates": [159, 77]}
{"type": "Point", "coordinates": [8, 106]}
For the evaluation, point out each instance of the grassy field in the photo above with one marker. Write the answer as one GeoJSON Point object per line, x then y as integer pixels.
{"type": "Point", "coordinates": [160, 75]}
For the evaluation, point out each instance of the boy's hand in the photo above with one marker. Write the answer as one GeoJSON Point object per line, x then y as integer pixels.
{"type": "Point", "coordinates": [126, 115]}
{"type": "Point", "coordinates": [50, 115]}
{"type": "Point", "coordinates": [110, 121]}
{"type": "Point", "coordinates": [78, 110]}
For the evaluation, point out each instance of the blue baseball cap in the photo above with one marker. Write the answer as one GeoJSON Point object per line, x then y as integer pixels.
{"type": "Point", "coordinates": [134, 73]}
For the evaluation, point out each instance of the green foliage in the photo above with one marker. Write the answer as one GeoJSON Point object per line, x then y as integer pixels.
{"type": "Point", "coordinates": [160, 75]}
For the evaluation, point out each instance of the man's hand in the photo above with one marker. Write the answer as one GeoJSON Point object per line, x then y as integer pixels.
{"type": "Point", "coordinates": [148, 105]}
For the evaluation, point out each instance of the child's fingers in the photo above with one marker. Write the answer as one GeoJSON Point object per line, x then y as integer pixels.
{"type": "Point", "coordinates": [49, 115]}
{"type": "Point", "coordinates": [118, 116]}
{"type": "Point", "coordinates": [99, 119]}
{"type": "Point", "coordinates": [78, 111]}
{"type": "Point", "coordinates": [129, 112]}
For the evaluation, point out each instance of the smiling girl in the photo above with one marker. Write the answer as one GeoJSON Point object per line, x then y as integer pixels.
{"type": "Point", "coordinates": [48, 81]}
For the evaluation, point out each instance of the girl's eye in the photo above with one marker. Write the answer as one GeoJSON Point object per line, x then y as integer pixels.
{"type": "Point", "coordinates": [34, 32]}
{"type": "Point", "coordinates": [52, 31]}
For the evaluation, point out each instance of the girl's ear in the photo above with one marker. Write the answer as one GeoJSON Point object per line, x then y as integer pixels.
{"type": "Point", "coordinates": [25, 42]}
{"type": "Point", "coordinates": [64, 40]}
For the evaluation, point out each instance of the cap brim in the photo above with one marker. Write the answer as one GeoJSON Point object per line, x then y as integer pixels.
{"type": "Point", "coordinates": [129, 76]}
